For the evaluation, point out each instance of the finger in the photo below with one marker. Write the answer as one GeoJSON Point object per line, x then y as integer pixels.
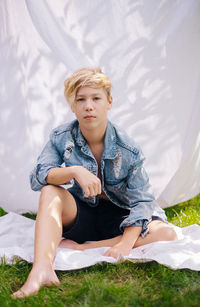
{"type": "Point", "coordinates": [94, 189]}
{"type": "Point", "coordinates": [99, 187]}
{"type": "Point", "coordinates": [111, 253]}
{"type": "Point", "coordinates": [90, 190]}
{"type": "Point", "coordinates": [86, 192]}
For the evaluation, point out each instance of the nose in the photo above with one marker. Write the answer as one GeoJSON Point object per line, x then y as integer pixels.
{"type": "Point", "coordinates": [89, 105]}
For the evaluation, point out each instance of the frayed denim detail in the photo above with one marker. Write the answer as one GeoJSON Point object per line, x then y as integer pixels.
{"type": "Point", "coordinates": [145, 228]}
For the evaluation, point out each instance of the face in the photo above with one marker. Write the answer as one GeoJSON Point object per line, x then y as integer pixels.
{"type": "Point", "coordinates": [90, 107]}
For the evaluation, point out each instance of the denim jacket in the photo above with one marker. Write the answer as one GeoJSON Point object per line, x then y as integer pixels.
{"type": "Point", "coordinates": [124, 179]}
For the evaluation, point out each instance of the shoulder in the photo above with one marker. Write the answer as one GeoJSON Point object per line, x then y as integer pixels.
{"type": "Point", "coordinates": [64, 134]}
{"type": "Point", "coordinates": [125, 141]}
{"type": "Point", "coordinates": [64, 128]}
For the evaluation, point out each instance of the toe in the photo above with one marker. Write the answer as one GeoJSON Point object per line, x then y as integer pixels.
{"type": "Point", "coordinates": [18, 294]}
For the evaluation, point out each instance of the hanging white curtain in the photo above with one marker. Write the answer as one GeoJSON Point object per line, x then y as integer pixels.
{"type": "Point", "coordinates": [151, 52]}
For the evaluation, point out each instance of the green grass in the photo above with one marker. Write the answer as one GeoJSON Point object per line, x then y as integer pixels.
{"type": "Point", "coordinates": [124, 284]}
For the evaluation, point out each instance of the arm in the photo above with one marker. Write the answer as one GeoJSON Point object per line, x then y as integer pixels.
{"type": "Point", "coordinates": [48, 159]}
{"type": "Point", "coordinates": [90, 183]}
{"type": "Point", "coordinates": [49, 170]}
{"type": "Point", "coordinates": [126, 243]}
{"type": "Point", "coordinates": [142, 200]}
{"type": "Point", "coordinates": [143, 206]}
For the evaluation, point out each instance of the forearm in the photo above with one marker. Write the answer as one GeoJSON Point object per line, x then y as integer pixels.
{"type": "Point", "coordinates": [126, 242]}
{"type": "Point", "coordinates": [90, 183]}
{"type": "Point", "coordinates": [61, 175]}
{"type": "Point", "coordinates": [130, 236]}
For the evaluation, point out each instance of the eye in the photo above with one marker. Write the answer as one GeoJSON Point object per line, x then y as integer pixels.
{"type": "Point", "coordinates": [80, 99]}
{"type": "Point", "coordinates": [96, 98]}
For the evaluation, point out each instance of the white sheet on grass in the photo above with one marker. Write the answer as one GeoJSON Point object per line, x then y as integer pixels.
{"type": "Point", "coordinates": [151, 52]}
{"type": "Point", "coordinates": [17, 235]}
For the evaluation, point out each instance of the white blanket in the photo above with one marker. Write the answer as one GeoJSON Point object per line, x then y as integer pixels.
{"type": "Point", "coordinates": [17, 237]}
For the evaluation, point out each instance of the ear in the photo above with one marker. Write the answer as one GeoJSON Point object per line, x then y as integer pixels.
{"type": "Point", "coordinates": [110, 99]}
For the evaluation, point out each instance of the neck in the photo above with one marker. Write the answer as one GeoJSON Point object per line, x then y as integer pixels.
{"type": "Point", "coordinates": [95, 136]}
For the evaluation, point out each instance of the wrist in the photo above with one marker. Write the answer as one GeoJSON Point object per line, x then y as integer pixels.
{"type": "Point", "coordinates": [125, 243]}
{"type": "Point", "coordinates": [73, 170]}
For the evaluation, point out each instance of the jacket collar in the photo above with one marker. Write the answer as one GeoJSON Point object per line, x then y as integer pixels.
{"type": "Point", "coordinates": [109, 150]}
{"type": "Point", "coordinates": [79, 138]}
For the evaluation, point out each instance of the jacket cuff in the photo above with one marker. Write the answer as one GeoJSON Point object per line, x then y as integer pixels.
{"type": "Point", "coordinates": [127, 222]}
{"type": "Point", "coordinates": [39, 175]}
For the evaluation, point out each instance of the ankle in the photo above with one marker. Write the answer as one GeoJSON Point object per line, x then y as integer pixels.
{"type": "Point", "coordinates": [42, 265]}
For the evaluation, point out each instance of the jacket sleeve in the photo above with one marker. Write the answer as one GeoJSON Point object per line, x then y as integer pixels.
{"type": "Point", "coordinates": [48, 159]}
{"type": "Point", "coordinates": [142, 201]}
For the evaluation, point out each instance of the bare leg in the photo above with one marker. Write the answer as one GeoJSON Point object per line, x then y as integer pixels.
{"type": "Point", "coordinates": [158, 231]}
{"type": "Point", "coordinates": [56, 207]}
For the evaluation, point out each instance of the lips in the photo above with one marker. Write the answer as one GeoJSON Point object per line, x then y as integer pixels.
{"type": "Point", "coordinates": [88, 117]}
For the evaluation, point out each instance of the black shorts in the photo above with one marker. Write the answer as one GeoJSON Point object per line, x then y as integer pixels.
{"type": "Point", "coordinates": [96, 223]}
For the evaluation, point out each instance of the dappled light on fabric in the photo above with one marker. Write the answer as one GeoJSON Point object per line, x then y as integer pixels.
{"type": "Point", "coordinates": [149, 51]}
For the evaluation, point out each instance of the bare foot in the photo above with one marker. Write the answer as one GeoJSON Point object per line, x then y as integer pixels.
{"type": "Point", "coordinates": [37, 278]}
{"type": "Point", "coordinates": [66, 243]}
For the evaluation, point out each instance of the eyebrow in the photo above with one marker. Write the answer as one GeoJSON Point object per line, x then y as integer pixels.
{"type": "Point", "coordinates": [82, 95]}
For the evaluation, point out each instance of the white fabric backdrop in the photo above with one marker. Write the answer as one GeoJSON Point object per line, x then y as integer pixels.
{"type": "Point", "coordinates": [151, 52]}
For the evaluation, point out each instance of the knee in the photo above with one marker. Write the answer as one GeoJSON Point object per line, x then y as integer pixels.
{"type": "Point", "coordinates": [48, 188]}
{"type": "Point", "coordinates": [169, 234]}
{"type": "Point", "coordinates": [51, 190]}
{"type": "Point", "coordinates": [51, 195]}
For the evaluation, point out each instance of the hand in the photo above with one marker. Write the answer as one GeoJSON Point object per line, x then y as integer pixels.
{"type": "Point", "coordinates": [117, 250]}
{"type": "Point", "coordinates": [90, 183]}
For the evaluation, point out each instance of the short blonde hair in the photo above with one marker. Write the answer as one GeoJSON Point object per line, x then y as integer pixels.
{"type": "Point", "coordinates": [91, 77]}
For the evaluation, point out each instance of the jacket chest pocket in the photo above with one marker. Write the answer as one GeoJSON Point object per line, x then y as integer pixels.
{"type": "Point", "coordinates": [116, 185]}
